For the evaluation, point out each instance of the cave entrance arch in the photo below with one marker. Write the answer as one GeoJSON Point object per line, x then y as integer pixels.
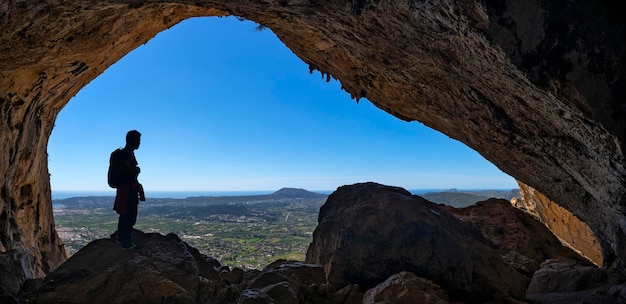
{"type": "Point", "coordinates": [549, 117]}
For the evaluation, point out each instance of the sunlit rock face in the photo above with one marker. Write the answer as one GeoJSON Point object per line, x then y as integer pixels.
{"type": "Point", "coordinates": [561, 222]}
{"type": "Point", "coordinates": [536, 87]}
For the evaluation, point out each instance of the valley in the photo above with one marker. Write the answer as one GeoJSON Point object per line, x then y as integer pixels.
{"type": "Point", "coordinates": [248, 232]}
{"type": "Point", "coordinates": [240, 231]}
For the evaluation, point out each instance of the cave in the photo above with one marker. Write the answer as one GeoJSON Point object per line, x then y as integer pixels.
{"type": "Point", "coordinates": [535, 87]}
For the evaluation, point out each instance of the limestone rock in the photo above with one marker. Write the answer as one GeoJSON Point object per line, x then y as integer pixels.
{"type": "Point", "coordinates": [282, 283]}
{"type": "Point", "coordinates": [165, 269]}
{"type": "Point", "coordinates": [406, 288]}
{"type": "Point", "coordinates": [12, 275]}
{"type": "Point", "coordinates": [565, 282]}
{"type": "Point", "coordinates": [538, 88]}
{"type": "Point", "coordinates": [569, 228]}
{"type": "Point", "coordinates": [350, 294]}
{"type": "Point", "coordinates": [368, 232]}
{"type": "Point", "coordinates": [234, 276]}
{"type": "Point", "coordinates": [562, 276]}
{"type": "Point", "coordinates": [523, 242]}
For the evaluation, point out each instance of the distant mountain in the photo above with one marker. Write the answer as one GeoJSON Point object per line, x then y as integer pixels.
{"type": "Point", "coordinates": [451, 197]}
{"type": "Point", "coordinates": [284, 193]}
{"type": "Point", "coordinates": [460, 199]}
{"type": "Point", "coordinates": [297, 193]}
{"type": "Point", "coordinates": [107, 201]}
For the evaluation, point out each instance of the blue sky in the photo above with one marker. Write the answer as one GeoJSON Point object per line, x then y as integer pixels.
{"type": "Point", "coordinates": [224, 107]}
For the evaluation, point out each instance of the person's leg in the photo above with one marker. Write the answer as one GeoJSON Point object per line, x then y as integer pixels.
{"type": "Point", "coordinates": [131, 213]}
{"type": "Point", "coordinates": [132, 219]}
{"type": "Point", "coordinates": [124, 229]}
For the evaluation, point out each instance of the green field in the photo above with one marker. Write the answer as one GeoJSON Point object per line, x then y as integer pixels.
{"type": "Point", "coordinates": [240, 231]}
{"type": "Point", "coordinates": [245, 233]}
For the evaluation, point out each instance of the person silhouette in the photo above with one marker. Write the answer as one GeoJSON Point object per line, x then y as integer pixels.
{"type": "Point", "coordinates": [129, 191]}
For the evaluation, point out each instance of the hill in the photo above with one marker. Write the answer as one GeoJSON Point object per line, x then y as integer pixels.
{"type": "Point", "coordinates": [460, 199]}
{"type": "Point", "coordinates": [283, 193]}
{"type": "Point", "coordinates": [297, 193]}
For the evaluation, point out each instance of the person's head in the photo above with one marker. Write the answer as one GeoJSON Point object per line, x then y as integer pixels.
{"type": "Point", "coordinates": [133, 139]}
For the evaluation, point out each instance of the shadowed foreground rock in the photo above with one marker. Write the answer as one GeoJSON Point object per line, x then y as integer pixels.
{"type": "Point", "coordinates": [406, 287]}
{"type": "Point", "coordinates": [368, 232]}
{"type": "Point", "coordinates": [517, 236]}
{"type": "Point", "coordinates": [165, 270]}
{"type": "Point", "coordinates": [559, 282]}
{"type": "Point", "coordinates": [374, 244]}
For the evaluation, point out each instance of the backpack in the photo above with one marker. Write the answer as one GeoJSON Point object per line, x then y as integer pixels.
{"type": "Point", "coordinates": [114, 175]}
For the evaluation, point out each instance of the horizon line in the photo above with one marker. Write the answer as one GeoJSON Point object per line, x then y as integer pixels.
{"type": "Point", "coordinates": [273, 190]}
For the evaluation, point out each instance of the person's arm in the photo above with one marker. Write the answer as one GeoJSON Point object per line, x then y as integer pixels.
{"type": "Point", "coordinates": [127, 169]}
{"type": "Point", "coordinates": [142, 194]}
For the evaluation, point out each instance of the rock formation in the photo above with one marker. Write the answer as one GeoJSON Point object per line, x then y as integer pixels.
{"type": "Point", "coordinates": [166, 269]}
{"type": "Point", "coordinates": [406, 287]}
{"type": "Point", "coordinates": [368, 232]}
{"type": "Point", "coordinates": [561, 222]}
{"type": "Point", "coordinates": [485, 255]}
{"type": "Point", "coordinates": [520, 239]}
{"type": "Point", "coordinates": [563, 282]}
{"type": "Point", "coordinates": [536, 87]}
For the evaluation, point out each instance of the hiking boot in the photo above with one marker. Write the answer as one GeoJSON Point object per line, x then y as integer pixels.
{"type": "Point", "coordinates": [115, 239]}
{"type": "Point", "coordinates": [131, 247]}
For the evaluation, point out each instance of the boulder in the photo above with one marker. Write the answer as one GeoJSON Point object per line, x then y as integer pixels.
{"type": "Point", "coordinates": [282, 282]}
{"type": "Point", "coordinates": [164, 270]}
{"type": "Point", "coordinates": [406, 288]}
{"type": "Point", "coordinates": [12, 273]}
{"type": "Point", "coordinates": [558, 276]}
{"type": "Point", "coordinates": [234, 276]}
{"type": "Point", "coordinates": [167, 270]}
{"type": "Point", "coordinates": [350, 294]}
{"type": "Point", "coordinates": [368, 232]}
{"type": "Point", "coordinates": [520, 238]}
{"type": "Point", "coordinates": [559, 282]}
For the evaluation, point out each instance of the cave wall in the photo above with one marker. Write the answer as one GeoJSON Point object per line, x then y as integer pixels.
{"type": "Point", "coordinates": [567, 227]}
{"type": "Point", "coordinates": [48, 53]}
{"type": "Point", "coordinates": [536, 87]}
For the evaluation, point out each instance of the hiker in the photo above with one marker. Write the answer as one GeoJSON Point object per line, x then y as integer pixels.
{"type": "Point", "coordinates": [123, 173]}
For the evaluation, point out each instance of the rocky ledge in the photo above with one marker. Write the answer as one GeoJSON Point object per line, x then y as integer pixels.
{"type": "Point", "coordinates": [373, 244]}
